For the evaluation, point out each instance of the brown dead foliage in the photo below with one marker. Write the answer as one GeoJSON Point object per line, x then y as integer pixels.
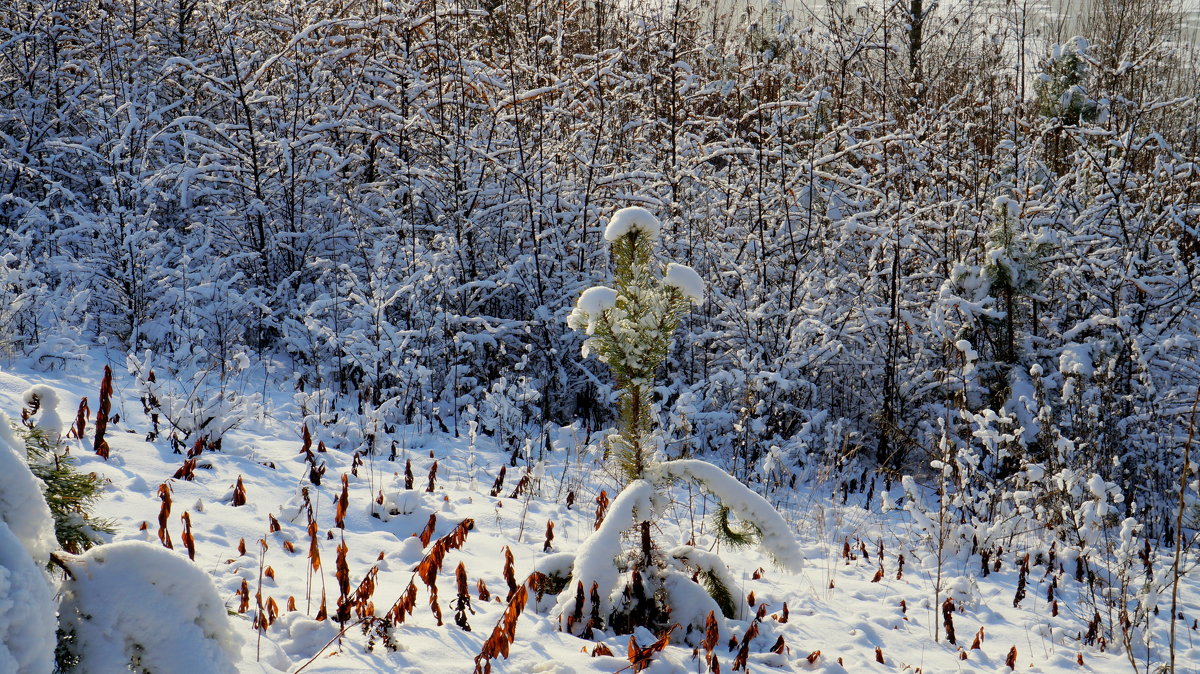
{"type": "Point", "coordinates": [1011, 660]}
{"type": "Point", "coordinates": [601, 507]}
{"type": "Point", "coordinates": [106, 390]}
{"type": "Point", "coordinates": [79, 428]}
{"type": "Point", "coordinates": [404, 605]}
{"type": "Point", "coordinates": [314, 549]}
{"type": "Point", "coordinates": [948, 619]}
{"type": "Point", "coordinates": [239, 493]}
{"type": "Point", "coordinates": [741, 660]}
{"type": "Point", "coordinates": [427, 532]}
{"type": "Point", "coordinates": [549, 536]}
{"type": "Point", "coordinates": [522, 485]}
{"type": "Point", "coordinates": [342, 574]}
{"type": "Point", "coordinates": [640, 658]}
{"type": "Point", "coordinates": [343, 504]}
{"type": "Point", "coordinates": [188, 541]}
{"type": "Point", "coordinates": [197, 448]}
{"type": "Point", "coordinates": [509, 573]}
{"type": "Point", "coordinates": [187, 471]}
{"type": "Point", "coordinates": [432, 477]}
{"type": "Point", "coordinates": [978, 642]}
{"type": "Point", "coordinates": [429, 566]}
{"type": "Point", "coordinates": [243, 595]}
{"type": "Point", "coordinates": [462, 603]}
{"type": "Point", "coordinates": [499, 483]}
{"type": "Point", "coordinates": [505, 632]}
{"type": "Point", "coordinates": [164, 536]}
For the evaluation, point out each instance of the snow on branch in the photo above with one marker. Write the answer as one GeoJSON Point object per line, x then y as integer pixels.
{"type": "Point", "coordinates": [777, 538]}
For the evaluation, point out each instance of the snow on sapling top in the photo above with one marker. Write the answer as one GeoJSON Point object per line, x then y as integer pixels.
{"type": "Point", "coordinates": [47, 418]}
{"type": "Point", "coordinates": [628, 219]}
{"type": "Point", "coordinates": [592, 303]}
{"type": "Point", "coordinates": [685, 279]}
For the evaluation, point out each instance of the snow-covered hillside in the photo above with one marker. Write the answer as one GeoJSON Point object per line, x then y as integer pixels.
{"type": "Point", "coordinates": [870, 594]}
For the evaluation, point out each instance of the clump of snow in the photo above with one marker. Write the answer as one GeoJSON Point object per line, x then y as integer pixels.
{"type": "Point", "coordinates": [685, 279]}
{"type": "Point", "coordinates": [47, 418]}
{"type": "Point", "coordinates": [1076, 358]}
{"type": "Point", "coordinates": [628, 219]}
{"type": "Point", "coordinates": [22, 506]}
{"type": "Point", "coordinates": [27, 621]}
{"type": "Point", "coordinates": [137, 602]}
{"type": "Point", "coordinates": [595, 560]}
{"type": "Point", "coordinates": [777, 538]}
{"type": "Point", "coordinates": [591, 306]}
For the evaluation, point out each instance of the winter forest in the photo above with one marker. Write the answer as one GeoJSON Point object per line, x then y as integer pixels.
{"type": "Point", "coordinates": [582, 336]}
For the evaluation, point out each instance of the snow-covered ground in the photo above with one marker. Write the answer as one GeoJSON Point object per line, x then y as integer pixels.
{"type": "Point", "coordinates": [857, 609]}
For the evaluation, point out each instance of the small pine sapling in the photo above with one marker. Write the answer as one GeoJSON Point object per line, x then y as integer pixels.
{"type": "Point", "coordinates": [630, 327]}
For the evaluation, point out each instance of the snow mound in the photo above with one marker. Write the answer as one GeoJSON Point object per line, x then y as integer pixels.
{"type": "Point", "coordinates": [22, 506]}
{"type": "Point", "coordinates": [685, 279]}
{"type": "Point", "coordinates": [27, 621]}
{"type": "Point", "coordinates": [137, 602]}
{"type": "Point", "coordinates": [628, 219]}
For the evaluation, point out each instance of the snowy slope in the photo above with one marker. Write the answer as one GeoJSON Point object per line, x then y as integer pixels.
{"type": "Point", "coordinates": [833, 604]}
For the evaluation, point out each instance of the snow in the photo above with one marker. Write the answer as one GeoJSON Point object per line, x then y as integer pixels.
{"type": "Point", "coordinates": [834, 606]}
{"type": "Point", "coordinates": [138, 600]}
{"type": "Point", "coordinates": [685, 279]}
{"type": "Point", "coordinates": [590, 308]}
{"type": "Point", "coordinates": [628, 219]}
{"type": "Point", "coordinates": [22, 507]}
{"type": "Point", "coordinates": [26, 609]}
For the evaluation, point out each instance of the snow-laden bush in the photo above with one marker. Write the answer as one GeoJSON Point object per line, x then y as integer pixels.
{"type": "Point", "coordinates": [133, 604]}
{"type": "Point", "coordinates": [631, 329]}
